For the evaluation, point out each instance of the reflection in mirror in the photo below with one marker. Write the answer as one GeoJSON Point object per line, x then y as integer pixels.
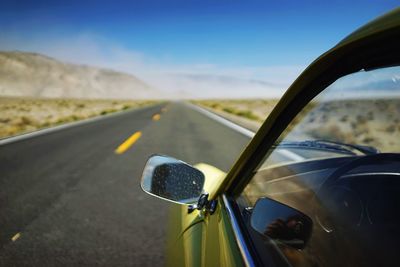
{"type": "Point", "coordinates": [281, 223]}
{"type": "Point", "coordinates": [172, 179]}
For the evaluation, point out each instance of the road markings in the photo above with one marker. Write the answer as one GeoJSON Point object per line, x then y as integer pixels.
{"type": "Point", "coordinates": [221, 120]}
{"type": "Point", "coordinates": [15, 237]}
{"type": "Point", "coordinates": [156, 117]}
{"type": "Point", "coordinates": [128, 143]}
{"type": "Point", "coordinates": [286, 153]}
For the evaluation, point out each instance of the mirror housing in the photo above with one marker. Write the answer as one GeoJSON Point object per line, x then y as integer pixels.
{"type": "Point", "coordinates": [172, 179]}
{"type": "Point", "coordinates": [281, 223]}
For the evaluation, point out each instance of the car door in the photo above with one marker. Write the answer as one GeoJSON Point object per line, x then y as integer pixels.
{"type": "Point", "coordinates": [200, 238]}
{"type": "Point", "coordinates": [341, 98]}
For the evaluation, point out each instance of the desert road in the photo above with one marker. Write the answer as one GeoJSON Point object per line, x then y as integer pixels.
{"type": "Point", "coordinates": [72, 197]}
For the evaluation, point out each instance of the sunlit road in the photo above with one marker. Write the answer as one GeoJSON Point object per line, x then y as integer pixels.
{"type": "Point", "coordinates": [72, 197]}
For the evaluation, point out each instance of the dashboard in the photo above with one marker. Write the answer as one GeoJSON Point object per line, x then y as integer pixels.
{"type": "Point", "coordinates": [354, 203]}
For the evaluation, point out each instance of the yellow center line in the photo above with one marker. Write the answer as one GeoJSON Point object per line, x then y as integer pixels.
{"type": "Point", "coordinates": [156, 117]}
{"type": "Point", "coordinates": [128, 143]}
{"type": "Point", "coordinates": [16, 236]}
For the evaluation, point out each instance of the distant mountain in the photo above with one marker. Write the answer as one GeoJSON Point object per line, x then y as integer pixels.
{"type": "Point", "coordinates": [34, 75]}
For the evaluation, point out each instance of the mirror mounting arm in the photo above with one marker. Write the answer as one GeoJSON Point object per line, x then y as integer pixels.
{"type": "Point", "coordinates": [203, 203]}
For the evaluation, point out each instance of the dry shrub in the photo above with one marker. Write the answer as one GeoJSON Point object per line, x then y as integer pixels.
{"type": "Point", "coordinates": [391, 128]}
{"type": "Point", "coordinates": [24, 121]}
{"type": "Point", "coordinates": [19, 115]}
{"type": "Point", "coordinates": [331, 132]}
{"type": "Point", "coordinates": [344, 118]}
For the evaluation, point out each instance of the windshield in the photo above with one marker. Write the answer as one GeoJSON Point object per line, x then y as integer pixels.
{"type": "Point", "coordinates": [360, 110]}
{"type": "Point", "coordinates": [338, 163]}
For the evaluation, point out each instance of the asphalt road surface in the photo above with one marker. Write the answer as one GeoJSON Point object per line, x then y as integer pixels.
{"type": "Point", "coordinates": [67, 199]}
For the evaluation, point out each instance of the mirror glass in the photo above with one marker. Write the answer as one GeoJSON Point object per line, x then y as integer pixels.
{"type": "Point", "coordinates": [281, 223]}
{"type": "Point", "coordinates": [172, 179]}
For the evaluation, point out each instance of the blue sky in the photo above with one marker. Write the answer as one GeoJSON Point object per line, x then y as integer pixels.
{"type": "Point", "coordinates": [253, 39]}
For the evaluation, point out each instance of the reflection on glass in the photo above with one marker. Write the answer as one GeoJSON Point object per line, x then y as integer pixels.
{"type": "Point", "coordinates": [172, 179]}
{"type": "Point", "coordinates": [281, 223]}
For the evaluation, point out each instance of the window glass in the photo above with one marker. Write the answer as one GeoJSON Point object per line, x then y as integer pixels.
{"type": "Point", "coordinates": [338, 163]}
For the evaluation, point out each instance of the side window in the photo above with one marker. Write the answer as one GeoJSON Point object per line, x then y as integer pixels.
{"type": "Point", "coordinates": [338, 163]}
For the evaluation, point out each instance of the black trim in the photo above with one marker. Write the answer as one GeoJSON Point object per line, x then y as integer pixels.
{"type": "Point", "coordinates": [242, 242]}
{"type": "Point", "coordinates": [244, 231]}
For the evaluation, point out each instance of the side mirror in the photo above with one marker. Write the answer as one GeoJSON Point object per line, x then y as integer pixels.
{"type": "Point", "coordinates": [172, 179]}
{"type": "Point", "coordinates": [281, 223]}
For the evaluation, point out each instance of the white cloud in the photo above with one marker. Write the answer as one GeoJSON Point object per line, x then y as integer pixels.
{"type": "Point", "coordinates": [195, 80]}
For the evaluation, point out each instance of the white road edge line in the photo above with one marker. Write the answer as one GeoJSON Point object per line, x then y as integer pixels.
{"type": "Point", "coordinates": [28, 135]}
{"type": "Point", "coordinates": [222, 120]}
{"type": "Point", "coordinates": [287, 153]}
